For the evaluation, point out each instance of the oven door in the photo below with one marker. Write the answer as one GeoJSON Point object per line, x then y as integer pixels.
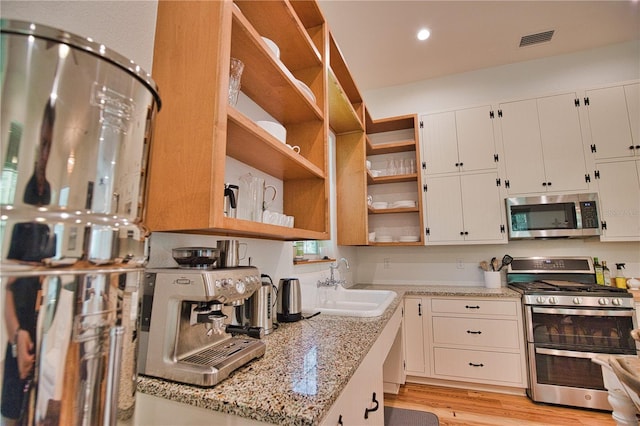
{"type": "Point", "coordinates": [561, 345]}
{"type": "Point", "coordinates": [594, 330]}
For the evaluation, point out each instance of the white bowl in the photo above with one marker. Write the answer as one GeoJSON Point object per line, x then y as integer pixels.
{"type": "Point", "coordinates": [274, 47]}
{"type": "Point", "coordinates": [307, 91]}
{"type": "Point", "coordinates": [277, 130]}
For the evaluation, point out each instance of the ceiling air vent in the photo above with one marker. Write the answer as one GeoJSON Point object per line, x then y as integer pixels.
{"type": "Point", "coordinates": [530, 39]}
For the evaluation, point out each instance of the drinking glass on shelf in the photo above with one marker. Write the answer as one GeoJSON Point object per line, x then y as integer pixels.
{"type": "Point", "coordinates": [391, 167]}
{"type": "Point", "coordinates": [235, 73]}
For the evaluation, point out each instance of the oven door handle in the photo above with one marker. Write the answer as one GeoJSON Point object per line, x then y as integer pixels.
{"type": "Point", "coordinates": [569, 354]}
{"type": "Point", "coordinates": [587, 312]}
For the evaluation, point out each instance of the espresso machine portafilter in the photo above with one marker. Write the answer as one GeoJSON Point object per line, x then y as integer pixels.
{"type": "Point", "coordinates": [187, 330]}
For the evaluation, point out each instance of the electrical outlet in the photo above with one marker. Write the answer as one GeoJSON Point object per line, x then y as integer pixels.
{"type": "Point", "coordinates": [387, 263]}
{"type": "Point", "coordinates": [459, 263]}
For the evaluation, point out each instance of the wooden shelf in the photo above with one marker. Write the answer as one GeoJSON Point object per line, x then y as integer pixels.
{"type": "Point", "coordinates": [389, 124]}
{"type": "Point", "coordinates": [391, 147]}
{"type": "Point", "coordinates": [251, 144]}
{"type": "Point", "coordinates": [279, 22]}
{"type": "Point", "coordinates": [391, 179]}
{"type": "Point", "coordinates": [397, 210]}
{"type": "Point", "coordinates": [342, 116]}
{"type": "Point", "coordinates": [266, 80]}
{"type": "Point", "coordinates": [310, 261]}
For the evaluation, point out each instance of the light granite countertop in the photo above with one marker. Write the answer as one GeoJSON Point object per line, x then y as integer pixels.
{"type": "Point", "coordinates": [305, 367]}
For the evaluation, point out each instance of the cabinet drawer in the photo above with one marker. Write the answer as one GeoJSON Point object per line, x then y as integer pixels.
{"type": "Point", "coordinates": [478, 365]}
{"type": "Point", "coordinates": [479, 332]}
{"type": "Point", "coordinates": [475, 306]}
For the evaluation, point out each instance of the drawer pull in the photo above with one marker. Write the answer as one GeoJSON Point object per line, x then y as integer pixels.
{"type": "Point", "coordinates": [340, 420]}
{"type": "Point", "coordinates": [474, 332]}
{"type": "Point", "coordinates": [476, 365]}
{"type": "Point", "coordinates": [472, 307]}
{"type": "Point", "coordinates": [371, 410]}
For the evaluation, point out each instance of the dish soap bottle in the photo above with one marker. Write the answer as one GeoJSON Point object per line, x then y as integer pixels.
{"type": "Point", "coordinates": [606, 273]}
{"type": "Point", "coordinates": [599, 271]}
{"type": "Point", "coordinates": [621, 280]}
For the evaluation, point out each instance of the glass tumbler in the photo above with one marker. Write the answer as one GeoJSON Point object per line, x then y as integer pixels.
{"type": "Point", "coordinates": [235, 74]}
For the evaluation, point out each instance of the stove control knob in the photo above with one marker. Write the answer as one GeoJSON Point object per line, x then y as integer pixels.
{"type": "Point", "coordinates": [616, 302]}
{"type": "Point", "coordinates": [577, 300]}
{"type": "Point", "coordinates": [553, 300]}
{"type": "Point", "coordinates": [603, 301]}
{"type": "Point", "coordinates": [540, 300]}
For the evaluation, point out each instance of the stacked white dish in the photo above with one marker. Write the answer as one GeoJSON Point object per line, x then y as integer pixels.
{"type": "Point", "coordinates": [384, 239]}
{"type": "Point", "coordinates": [403, 204]}
{"type": "Point", "coordinates": [276, 130]}
{"type": "Point", "coordinates": [306, 90]}
{"type": "Point", "coordinates": [409, 239]}
{"type": "Point", "coordinates": [274, 47]}
{"type": "Point", "coordinates": [379, 205]}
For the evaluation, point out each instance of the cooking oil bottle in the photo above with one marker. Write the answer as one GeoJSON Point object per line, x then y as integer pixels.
{"type": "Point", "coordinates": [599, 271]}
{"type": "Point", "coordinates": [606, 273]}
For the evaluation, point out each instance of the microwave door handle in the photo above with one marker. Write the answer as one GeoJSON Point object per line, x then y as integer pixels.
{"type": "Point", "coordinates": [589, 312]}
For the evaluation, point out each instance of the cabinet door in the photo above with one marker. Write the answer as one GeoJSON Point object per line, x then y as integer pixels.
{"type": "Point", "coordinates": [522, 147]}
{"type": "Point", "coordinates": [619, 193]}
{"type": "Point", "coordinates": [414, 315]}
{"type": "Point", "coordinates": [444, 209]}
{"type": "Point", "coordinates": [613, 120]}
{"type": "Point", "coordinates": [483, 210]}
{"type": "Point", "coordinates": [476, 141]}
{"type": "Point", "coordinates": [440, 153]}
{"type": "Point", "coordinates": [562, 147]}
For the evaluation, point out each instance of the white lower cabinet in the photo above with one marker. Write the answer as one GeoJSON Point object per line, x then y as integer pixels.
{"type": "Point", "coordinates": [476, 340]}
{"type": "Point", "coordinates": [415, 326]}
{"type": "Point", "coordinates": [362, 400]}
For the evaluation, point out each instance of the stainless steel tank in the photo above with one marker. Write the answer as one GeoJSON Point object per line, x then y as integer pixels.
{"type": "Point", "coordinates": [75, 123]}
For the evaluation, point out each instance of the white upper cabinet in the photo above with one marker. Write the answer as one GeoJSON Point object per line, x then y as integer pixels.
{"type": "Point", "coordinates": [459, 141]}
{"type": "Point", "coordinates": [543, 145]}
{"type": "Point", "coordinates": [619, 191]}
{"type": "Point", "coordinates": [614, 121]}
{"type": "Point", "coordinates": [464, 208]}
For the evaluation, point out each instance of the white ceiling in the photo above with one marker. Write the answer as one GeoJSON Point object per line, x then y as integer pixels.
{"type": "Point", "coordinates": [378, 37]}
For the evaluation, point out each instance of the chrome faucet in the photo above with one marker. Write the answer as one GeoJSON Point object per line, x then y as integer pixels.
{"type": "Point", "coordinates": [332, 281]}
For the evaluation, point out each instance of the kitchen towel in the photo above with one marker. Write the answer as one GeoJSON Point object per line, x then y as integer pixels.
{"type": "Point", "coordinates": [401, 417]}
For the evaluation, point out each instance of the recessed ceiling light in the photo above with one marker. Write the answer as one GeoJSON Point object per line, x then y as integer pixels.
{"type": "Point", "coordinates": [423, 34]}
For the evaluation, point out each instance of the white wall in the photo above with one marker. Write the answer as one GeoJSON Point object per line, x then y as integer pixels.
{"type": "Point", "coordinates": [458, 265]}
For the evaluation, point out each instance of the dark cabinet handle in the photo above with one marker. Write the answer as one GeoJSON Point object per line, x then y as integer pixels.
{"type": "Point", "coordinates": [419, 309]}
{"type": "Point", "coordinates": [371, 410]}
{"type": "Point", "coordinates": [548, 183]}
{"type": "Point", "coordinates": [474, 332]}
{"type": "Point", "coordinates": [631, 147]}
{"type": "Point", "coordinates": [340, 420]}
{"type": "Point", "coordinates": [458, 164]}
{"type": "Point", "coordinates": [637, 146]}
{"type": "Point", "coordinates": [476, 365]}
{"type": "Point", "coordinates": [472, 307]}
{"type": "Point", "coordinates": [461, 164]}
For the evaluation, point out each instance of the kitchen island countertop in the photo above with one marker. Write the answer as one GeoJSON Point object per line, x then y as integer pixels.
{"type": "Point", "coordinates": [305, 367]}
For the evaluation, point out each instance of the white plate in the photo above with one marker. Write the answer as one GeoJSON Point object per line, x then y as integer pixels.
{"type": "Point", "coordinates": [384, 239]}
{"type": "Point", "coordinates": [379, 205]}
{"type": "Point", "coordinates": [307, 91]}
{"type": "Point", "coordinates": [274, 47]}
{"type": "Point", "coordinates": [409, 239]}
{"type": "Point", "coordinates": [277, 130]}
{"type": "Point", "coordinates": [402, 204]}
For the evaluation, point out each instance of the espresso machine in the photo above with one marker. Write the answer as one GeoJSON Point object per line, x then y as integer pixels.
{"type": "Point", "coordinates": [190, 331]}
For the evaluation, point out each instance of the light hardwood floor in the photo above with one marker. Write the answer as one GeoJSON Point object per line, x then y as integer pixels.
{"type": "Point", "coordinates": [476, 408]}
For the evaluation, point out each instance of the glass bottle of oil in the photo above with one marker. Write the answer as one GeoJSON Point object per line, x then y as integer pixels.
{"type": "Point", "coordinates": [599, 271]}
{"type": "Point", "coordinates": [606, 273]}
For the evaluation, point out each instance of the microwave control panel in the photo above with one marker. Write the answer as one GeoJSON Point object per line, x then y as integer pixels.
{"type": "Point", "coordinates": [589, 214]}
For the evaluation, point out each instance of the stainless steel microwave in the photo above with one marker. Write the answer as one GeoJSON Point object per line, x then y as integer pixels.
{"type": "Point", "coordinates": [553, 216]}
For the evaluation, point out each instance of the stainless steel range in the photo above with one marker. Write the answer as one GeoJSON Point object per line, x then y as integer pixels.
{"type": "Point", "coordinates": [569, 319]}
